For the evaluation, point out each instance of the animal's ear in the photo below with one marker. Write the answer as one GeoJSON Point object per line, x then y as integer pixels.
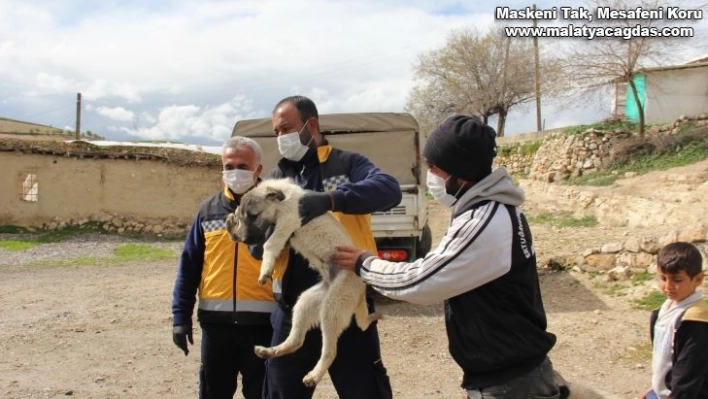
{"type": "Point", "coordinates": [275, 195]}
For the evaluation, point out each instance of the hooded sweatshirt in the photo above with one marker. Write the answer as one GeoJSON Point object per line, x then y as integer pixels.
{"type": "Point", "coordinates": [484, 269]}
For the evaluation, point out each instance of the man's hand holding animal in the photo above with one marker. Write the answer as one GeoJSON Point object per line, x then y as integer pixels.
{"type": "Point", "coordinates": [314, 204]}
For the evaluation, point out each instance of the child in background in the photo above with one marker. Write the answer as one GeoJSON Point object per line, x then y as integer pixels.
{"type": "Point", "coordinates": [679, 328]}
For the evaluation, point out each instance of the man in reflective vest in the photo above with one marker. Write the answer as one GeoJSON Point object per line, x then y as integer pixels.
{"type": "Point", "coordinates": [233, 309]}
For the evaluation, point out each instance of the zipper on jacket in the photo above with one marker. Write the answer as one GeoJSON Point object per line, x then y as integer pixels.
{"type": "Point", "coordinates": [233, 315]}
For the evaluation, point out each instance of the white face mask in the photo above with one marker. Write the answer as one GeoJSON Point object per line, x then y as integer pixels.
{"type": "Point", "coordinates": [436, 186]}
{"type": "Point", "coordinates": [238, 180]}
{"type": "Point", "coordinates": [290, 146]}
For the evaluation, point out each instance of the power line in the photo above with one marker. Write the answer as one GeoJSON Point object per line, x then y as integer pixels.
{"type": "Point", "coordinates": [43, 112]}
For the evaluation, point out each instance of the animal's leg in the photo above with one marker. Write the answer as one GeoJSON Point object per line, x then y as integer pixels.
{"type": "Point", "coordinates": [336, 314]}
{"type": "Point", "coordinates": [306, 314]}
{"type": "Point", "coordinates": [231, 222]}
{"type": "Point", "coordinates": [271, 249]}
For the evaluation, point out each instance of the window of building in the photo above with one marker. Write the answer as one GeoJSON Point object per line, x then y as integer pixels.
{"type": "Point", "coordinates": [29, 187]}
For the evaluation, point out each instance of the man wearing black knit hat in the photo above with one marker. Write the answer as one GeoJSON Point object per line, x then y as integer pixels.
{"type": "Point", "coordinates": [484, 270]}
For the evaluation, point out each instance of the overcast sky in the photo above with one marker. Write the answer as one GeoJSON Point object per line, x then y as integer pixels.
{"type": "Point", "coordinates": [186, 71]}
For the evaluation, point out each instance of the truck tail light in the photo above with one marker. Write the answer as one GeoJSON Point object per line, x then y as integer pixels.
{"type": "Point", "coordinates": [394, 255]}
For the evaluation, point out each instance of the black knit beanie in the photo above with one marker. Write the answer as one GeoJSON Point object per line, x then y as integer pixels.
{"type": "Point", "coordinates": [462, 146]}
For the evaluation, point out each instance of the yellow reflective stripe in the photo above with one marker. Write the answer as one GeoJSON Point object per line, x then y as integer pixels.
{"type": "Point", "coordinates": [241, 306]}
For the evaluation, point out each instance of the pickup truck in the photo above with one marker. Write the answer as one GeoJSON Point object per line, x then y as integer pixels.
{"type": "Point", "coordinates": [393, 142]}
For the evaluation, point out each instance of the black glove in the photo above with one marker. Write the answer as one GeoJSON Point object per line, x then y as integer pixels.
{"type": "Point", "coordinates": [180, 335]}
{"type": "Point", "coordinates": [314, 204]}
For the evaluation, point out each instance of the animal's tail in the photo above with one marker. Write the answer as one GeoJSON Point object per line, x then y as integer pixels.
{"type": "Point", "coordinates": [362, 315]}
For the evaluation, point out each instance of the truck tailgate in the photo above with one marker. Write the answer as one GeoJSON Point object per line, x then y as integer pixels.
{"type": "Point", "coordinates": [403, 220]}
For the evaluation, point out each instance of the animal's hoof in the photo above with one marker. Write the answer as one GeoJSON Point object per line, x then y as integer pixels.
{"type": "Point", "coordinates": [263, 352]}
{"type": "Point", "coordinates": [310, 380]}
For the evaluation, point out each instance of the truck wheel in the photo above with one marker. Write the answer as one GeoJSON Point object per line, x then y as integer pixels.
{"type": "Point", "coordinates": [425, 242]}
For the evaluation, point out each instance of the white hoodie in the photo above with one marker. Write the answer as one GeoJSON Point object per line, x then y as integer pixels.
{"type": "Point", "coordinates": [474, 251]}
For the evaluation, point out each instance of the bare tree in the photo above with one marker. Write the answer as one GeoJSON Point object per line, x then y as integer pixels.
{"type": "Point", "coordinates": [473, 74]}
{"type": "Point", "coordinates": [603, 61]}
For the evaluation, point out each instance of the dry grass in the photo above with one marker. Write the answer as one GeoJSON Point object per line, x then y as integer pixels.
{"type": "Point", "coordinates": [82, 149]}
{"type": "Point", "coordinates": [633, 147]}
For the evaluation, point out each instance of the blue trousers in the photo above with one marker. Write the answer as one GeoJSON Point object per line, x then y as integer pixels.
{"type": "Point", "coordinates": [357, 371]}
{"type": "Point", "coordinates": [227, 350]}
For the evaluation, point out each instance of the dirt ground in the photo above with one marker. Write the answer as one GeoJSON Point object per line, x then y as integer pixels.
{"type": "Point", "coordinates": [104, 331]}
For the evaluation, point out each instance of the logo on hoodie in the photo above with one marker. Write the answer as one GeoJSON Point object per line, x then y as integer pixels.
{"type": "Point", "coordinates": [522, 235]}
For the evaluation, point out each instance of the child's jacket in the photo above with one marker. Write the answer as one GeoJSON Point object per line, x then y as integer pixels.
{"type": "Point", "coordinates": [688, 378]}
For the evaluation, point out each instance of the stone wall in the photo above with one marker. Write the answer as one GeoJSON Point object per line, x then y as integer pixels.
{"type": "Point", "coordinates": [563, 155]}
{"type": "Point", "coordinates": [120, 224]}
{"type": "Point", "coordinates": [515, 163]}
{"type": "Point", "coordinates": [639, 254]}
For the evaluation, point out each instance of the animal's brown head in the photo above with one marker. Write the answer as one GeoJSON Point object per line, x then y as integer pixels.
{"type": "Point", "coordinates": [257, 213]}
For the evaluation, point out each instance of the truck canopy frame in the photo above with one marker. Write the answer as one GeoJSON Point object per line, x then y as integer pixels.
{"type": "Point", "coordinates": [397, 152]}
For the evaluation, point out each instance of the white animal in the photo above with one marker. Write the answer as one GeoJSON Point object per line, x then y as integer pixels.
{"type": "Point", "coordinates": [329, 303]}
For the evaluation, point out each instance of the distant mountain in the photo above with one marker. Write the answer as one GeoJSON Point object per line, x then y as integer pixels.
{"type": "Point", "coordinates": [34, 131]}
{"type": "Point", "coordinates": [20, 127]}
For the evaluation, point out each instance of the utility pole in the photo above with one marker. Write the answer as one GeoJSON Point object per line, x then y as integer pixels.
{"type": "Point", "coordinates": [539, 127]}
{"type": "Point", "coordinates": [78, 116]}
